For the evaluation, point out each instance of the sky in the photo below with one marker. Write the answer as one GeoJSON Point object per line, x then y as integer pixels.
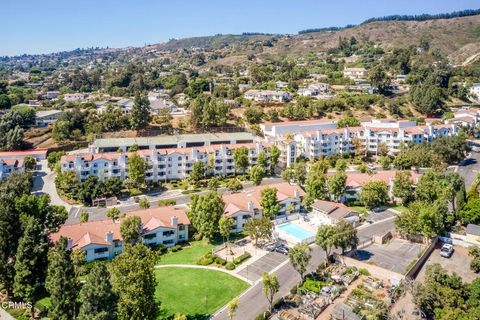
{"type": "Point", "coordinates": [44, 26]}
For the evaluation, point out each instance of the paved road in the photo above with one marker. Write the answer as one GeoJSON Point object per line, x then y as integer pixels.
{"type": "Point", "coordinates": [129, 205]}
{"type": "Point", "coordinates": [267, 263]}
{"type": "Point", "coordinates": [253, 301]}
{"type": "Point", "coordinates": [44, 183]}
{"type": "Point", "coordinates": [469, 168]}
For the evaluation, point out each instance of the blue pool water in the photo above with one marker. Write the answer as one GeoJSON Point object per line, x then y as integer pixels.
{"type": "Point", "coordinates": [295, 231]}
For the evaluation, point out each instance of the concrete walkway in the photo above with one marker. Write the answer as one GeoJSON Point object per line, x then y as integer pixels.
{"type": "Point", "coordinates": [193, 266]}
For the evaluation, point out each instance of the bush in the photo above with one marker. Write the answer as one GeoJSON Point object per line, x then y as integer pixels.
{"type": "Point", "coordinates": [205, 261]}
{"type": "Point", "coordinates": [220, 261]}
{"type": "Point", "coordinates": [364, 272]}
{"type": "Point", "coordinates": [167, 202]}
{"type": "Point", "coordinates": [230, 266]}
{"type": "Point", "coordinates": [242, 258]}
{"type": "Point", "coordinates": [263, 316]}
{"type": "Point", "coordinates": [175, 248]}
{"type": "Point", "coordinates": [475, 264]}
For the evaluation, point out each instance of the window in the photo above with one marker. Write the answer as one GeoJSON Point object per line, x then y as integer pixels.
{"type": "Point", "coordinates": [181, 227]}
{"type": "Point", "coordinates": [168, 242]}
{"type": "Point", "coordinates": [179, 158]}
{"type": "Point", "coordinates": [167, 233]}
{"type": "Point", "coordinates": [100, 250]}
{"type": "Point", "coordinates": [150, 236]}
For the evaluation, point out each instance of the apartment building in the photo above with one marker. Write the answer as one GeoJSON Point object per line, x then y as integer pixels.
{"type": "Point", "coordinates": [467, 118]}
{"type": "Point", "coordinates": [162, 164]}
{"type": "Point", "coordinates": [245, 205]}
{"type": "Point", "coordinates": [102, 240]}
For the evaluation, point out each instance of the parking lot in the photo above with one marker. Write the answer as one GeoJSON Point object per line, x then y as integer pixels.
{"type": "Point", "coordinates": [459, 262]}
{"type": "Point", "coordinates": [266, 263]}
{"type": "Point", "coordinates": [395, 256]}
{"type": "Point", "coordinates": [380, 215]}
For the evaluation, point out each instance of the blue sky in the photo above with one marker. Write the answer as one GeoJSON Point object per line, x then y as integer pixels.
{"type": "Point", "coordinates": [42, 26]}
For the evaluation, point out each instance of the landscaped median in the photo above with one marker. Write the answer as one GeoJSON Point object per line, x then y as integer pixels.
{"type": "Point", "coordinates": [195, 292]}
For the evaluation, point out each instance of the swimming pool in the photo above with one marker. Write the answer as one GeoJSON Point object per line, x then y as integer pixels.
{"type": "Point", "coordinates": [295, 231]}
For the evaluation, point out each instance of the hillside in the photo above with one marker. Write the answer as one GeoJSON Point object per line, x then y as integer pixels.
{"type": "Point", "coordinates": [457, 38]}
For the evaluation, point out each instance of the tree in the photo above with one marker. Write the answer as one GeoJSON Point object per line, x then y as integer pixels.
{"type": "Point", "coordinates": [423, 218]}
{"type": "Point", "coordinates": [348, 121]}
{"type": "Point", "coordinates": [385, 162]}
{"type": "Point", "coordinates": [274, 157]}
{"type": "Point", "coordinates": [131, 229]}
{"type": "Point", "coordinates": [197, 173]}
{"type": "Point", "coordinates": [346, 236]}
{"type": "Point", "coordinates": [213, 184]}
{"type": "Point", "coordinates": [97, 296]}
{"type": "Point", "coordinates": [316, 184]}
{"type": "Point", "coordinates": [240, 157]}
{"type": "Point", "coordinates": [234, 184]}
{"type": "Point", "coordinates": [29, 163]}
{"type": "Point", "coordinates": [84, 216]}
{"type": "Point", "coordinates": [374, 194]}
{"type": "Point", "coordinates": [258, 229]}
{"type": "Point", "coordinates": [268, 201]}
{"type": "Point", "coordinates": [256, 174]}
{"type": "Point", "coordinates": [205, 212]}
{"type": "Point", "coordinates": [225, 225]}
{"type": "Point", "coordinates": [270, 287]}
{"type": "Point", "coordinates": [136, 170]}
{"type": "Point", "coordinates": [232, 307]}
{"type": "Point", "coordinates": [31, 261]}
{"type": "Point", "coordinates": [471, 211]}
{"type": "Point", "coordinates": [341, 165]}
{"type": "Point", "coordinates": [299, 258]}
{"type": "Point", "coordinates": [403, 187]}
{"type": "Point", "coordinates": [325, 238]}
{"type": "Point", "coordinates": [451, 149]}
{"type": "Point", "coordinates": [134, 282]}
{"type": "Point", "coordinates": [113, 214]}
{"type": "Point", "coordinates": [140, 114]}
{"type": "Point", "coordinates": [61, 282]}
{"type": "Point", "coordinates": [337, 184]}
{"type": "Point", "coordinates": [61, 130]}
{"type": "Point", "coordinates": [143, 203]}
{"type": "Point", "coordinates": [262, 159]}
{"type": "Point", "coordinates": [378, 78]}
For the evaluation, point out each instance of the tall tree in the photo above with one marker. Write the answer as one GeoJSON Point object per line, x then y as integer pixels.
{"type": "Point", "coordinates": [403, 186]}
{"type": "Point", "coordinates": [299, 258]}
{"type": "Point", "coordinates": [61, 282]}
{"type": "Point", "coordinates": [134, 282]}
{"type": "Point", "coordinates": [274, 157]}
{"type": "Point", "coordinates": [140, 114]}
{"type": "Point", "coordinates": [131, 229]}
{"type": "Point", "coordinates": [205, 212]}
{"type": "Point", "coordinates": [136, 170]}
{"type": "Point", "coordinates": [240, 157]}
{"type": "Point", "coordinates": [325, 238]}
{"type": "Point", "coordinates": [232, 307]}
{"type": "Point", "coordinates": [346, 236]}
{"type": "Point", "coordinates": [269, 203]}
{"type": "Point", "coordinates": [262, 159]}
{"type": "Point", "coordinates": [374, 194]}
{"type": "Point", "coordinates": [113, 213]}
{"type": "Point", "coordinates": [258, 229]}
{"type": "Point", "coordinates": [97, 297]}
{"type": "Point", "coordinates": [197, 173]}
{"type": "Point", "coordinates": [256, 174]}
{"type": "Point", "coordinates": [270, 287]}
{"type": "Point", "coordinates": [225, 225]}
{"type": "Point", "coordinates": [31, 261]}
{"type": "Point", "coordinates": [337, 185]}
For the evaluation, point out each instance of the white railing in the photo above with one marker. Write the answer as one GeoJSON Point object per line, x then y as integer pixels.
{"type": "Point", "coordinates": [286, 218]}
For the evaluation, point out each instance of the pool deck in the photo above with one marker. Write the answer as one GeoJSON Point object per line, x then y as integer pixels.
{"type": "Point", "coordinates": [292, 239]}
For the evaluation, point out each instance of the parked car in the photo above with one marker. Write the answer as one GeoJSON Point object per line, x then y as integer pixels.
{"type": "Point", "coordinates": [136, 199]}
{"type": "Point", "coordinates": [447, 250]}
{"type": "Point", "coordinates": [270, 246]}
{"type": "Point", "coordinates": [283, 249]}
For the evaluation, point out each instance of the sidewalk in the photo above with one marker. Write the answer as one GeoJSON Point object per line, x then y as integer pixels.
{"type": "Point", "coordinates": [4, 315]}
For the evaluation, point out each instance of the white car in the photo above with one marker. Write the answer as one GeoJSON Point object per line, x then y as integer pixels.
{"type": "Point", "coordinates": [447, 250]}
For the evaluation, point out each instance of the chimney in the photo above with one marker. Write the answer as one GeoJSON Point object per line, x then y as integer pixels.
{"type": "Point", "coordinates": [250, 205]}
{"type": "Point", "coordinates": [69, 244]}
{"type": "Point", "coordinates": [109, 236]}
{"type": "Point", "coordinates": [174, 221]}
{"type": "Point", "coordinates": [296, 193]}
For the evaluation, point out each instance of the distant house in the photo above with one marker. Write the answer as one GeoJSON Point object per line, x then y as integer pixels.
{"type": "Point", "coordinates": [52, 95]}
{"type": "Point", "coordinates": [466, 117]}
{"type": "Point", "coordinates": [44, 118]}
{"type": "Point", "coordinates": [8, 166]}
{"type": "Point", "coordinates": [245, 205]}
{"type": "Point", "coordinates": [355, 73]}
{"type": "Point", "coordinates": [267, 96]}
{"type": "Point", "coordinates": [331, 213]}
{"type": "Point", "coordinates": [125, 104]}
{"type": "Point", "coordinates": [314, 89]}
{"type": "Point", "coordinates": [74, 97]}
{"type": "Point", "coordinates": [473, 233]}
{"type": "Point", "coordinates": [281, 85]}
{"type": "Point", "coordinates": [475, 91]}
{"type": "Point", "coordinates": [13, 161]}
{"type": "Point", "coordinates": [101, 240]}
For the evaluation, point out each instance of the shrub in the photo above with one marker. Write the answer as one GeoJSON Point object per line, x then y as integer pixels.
{"type": "Point", "coordinates": [242, 258]}
{"type": "Point", "coordinates": [175, 248]}
{"type": "Point", "coordinates": [205, 261]}
{"type": "Point", "coordinates": [167, 202]}
{"type": "Point", "coordinates": [220, 261]}
{"type": "Point", "coordinates": [475, 264]}
{"type": "Point", "coordinates": [263, 316]}
{"type": "Point", "coordinates": [364, 272]}
{"type": "Point", "coordinates": [230, 266]}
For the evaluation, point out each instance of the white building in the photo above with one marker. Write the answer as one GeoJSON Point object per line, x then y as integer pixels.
{"type": "Point", "coordinates": [9, 166]}
{"type": "Point", "coordinates": [74, 97]}
{"type": "Point", "coordinates": [52, 94]}
{"type": "Point", "coordinates": [267, 96]}
{"type": "Point", "coordinates": [162, 164]}
{"type": "Point", "coordinates": [475, 91]}
{"type": "Point", "coordinates": [466, 117]}
{"type": "Point", "coordinates": [355, 73]}
{"type": "Point", "coordinates": [102, 240]}
{"type": "Point", "coordinates": [245, 205]}
{"type": "Point", "coordinates": [330, 213]}
{"type": "Point", "coordinates": [44, 118]}
{"type": "Point", "coordinates": [314, 90]}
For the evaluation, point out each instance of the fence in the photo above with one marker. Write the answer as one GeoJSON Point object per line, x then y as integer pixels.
{"type": "Point", "coordinates": [457, 240]}
{"type": "Point", "coordinates": [413, 271]}
{"type": "Point", "coordinates": [287, 218]}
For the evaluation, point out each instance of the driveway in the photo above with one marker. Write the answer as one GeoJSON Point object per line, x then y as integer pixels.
{"type": "Point", "coordinates": [380, 215]}
{"type": "Point", "coordinates": [469, 168]}
{"type": "Point", "coordinates": [44, 183]}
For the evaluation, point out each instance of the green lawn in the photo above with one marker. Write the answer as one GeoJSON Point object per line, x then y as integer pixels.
{"type": "Point", "coordinates": [188, 255]}
{"type": "Point", "coordinates": [362, 210]}
{"type": "Point", "coordinates": [400, 208]}
{"type": "Point", "coordinates": [197, 293]}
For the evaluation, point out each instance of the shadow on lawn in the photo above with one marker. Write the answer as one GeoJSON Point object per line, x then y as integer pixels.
{"type": "Point", "coordinates": [164, 315]}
